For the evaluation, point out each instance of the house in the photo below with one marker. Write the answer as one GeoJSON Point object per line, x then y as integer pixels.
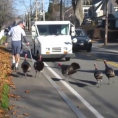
{"type": "Point", "coordinates": [100, 11]}
{"type": "Point", "coordinates": [86, 10]}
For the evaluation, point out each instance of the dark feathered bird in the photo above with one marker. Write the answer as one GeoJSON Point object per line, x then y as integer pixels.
{"type": "Point", "coordinates": [75, 65]}
{"type": "Point", "coordinates": [109, 71]}
{"type": "Point", "coordinates": [63, 68]}
{"type": "Point", "coordinates": [69, 69]}
{"type": "Point", "coordinates": [38, 65]}
{"type": "Point", "coordinates": [25, 65]}
{"type": "Point", "coordinates": [98, 75]}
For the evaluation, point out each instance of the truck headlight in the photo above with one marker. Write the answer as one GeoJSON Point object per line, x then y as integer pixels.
{"type": "Point", "coordinates": [65, 48]}
{"type": "Point", "coordinates": [74, 40]}
{"type": "Point", "coordinates": [47, 49]}
{"type": "Point", "coordinates": [89, 40]}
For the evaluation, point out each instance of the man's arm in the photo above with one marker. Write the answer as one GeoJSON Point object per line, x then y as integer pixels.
{"type": "Point", "coordinates": [7, 39]}
{"type": "Point", "coordinates": [24, 39]}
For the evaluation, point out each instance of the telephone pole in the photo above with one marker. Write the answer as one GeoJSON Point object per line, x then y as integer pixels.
{"type": "Point", "coordinates": [43, 12]}
{"type": "Point", "coordinates": [36, 12]}
{"type": "Point", "coordinates": [61, 10]}
{"type": "Point", "coordinates": [106, 24]}
{"type": "Point", "coordinates": [30, 15]}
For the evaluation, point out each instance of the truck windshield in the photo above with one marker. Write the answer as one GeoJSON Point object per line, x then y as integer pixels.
{"type": "Point", "coordinates": [53, 29]}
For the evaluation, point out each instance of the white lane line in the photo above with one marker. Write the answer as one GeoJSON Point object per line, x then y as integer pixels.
{"type": "Point", "coordinates": [79, 97]}
{"type": "Point", "coordinates": [78, 113]}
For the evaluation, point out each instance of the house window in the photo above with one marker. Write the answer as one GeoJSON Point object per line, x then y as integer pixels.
{"type": "Point", "coordinates": [85, 11]}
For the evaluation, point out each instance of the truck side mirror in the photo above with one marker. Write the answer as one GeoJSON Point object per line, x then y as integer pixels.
{"type": "Point", "coordinates": [72, 31]}
{"type": "Point", "coordinates": [34, 34]}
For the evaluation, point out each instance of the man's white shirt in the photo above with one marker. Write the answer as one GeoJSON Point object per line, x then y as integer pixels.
{"type": "Point", "coordinates": [16, 33]}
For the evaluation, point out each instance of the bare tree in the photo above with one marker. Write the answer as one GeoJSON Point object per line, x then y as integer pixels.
{"type": "Point", "coordinates": [78, 10]}
{"type": "Point", "coordinates": [6, 12]}
{"type": "Point", "coordinates": [77, 6]}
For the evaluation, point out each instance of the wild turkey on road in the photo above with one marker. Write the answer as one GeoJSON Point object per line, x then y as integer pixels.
{"type": "Point", "coordinates": [109, 71]}
{"type": "Point", "coordinates": [69, 69]}
{"type": "Point", "coordinates": [75, 65]}
{"type": "Point", "coordinates": [98, 75]}
{"type": "Point", "coordinates": [25, 65]}
{"type": "Point", "coordinates": [63, 68]}
{"type": "Point", "coordinates": [38, 65]}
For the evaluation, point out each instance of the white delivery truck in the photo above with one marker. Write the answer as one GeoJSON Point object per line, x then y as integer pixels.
{"type": "Point", "coordinates": [52, 39]}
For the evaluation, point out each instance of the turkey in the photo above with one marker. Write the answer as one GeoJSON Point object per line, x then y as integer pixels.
{"type": "Point", "coordinates": [75, 66]}
{"type": "Point", "coordinates": [63, 68]}
{"type": "Point", "coordinates": [25, 66]}
{"type": "Point", "coordinates": [69, 69]}
{"type": "Point", "coordinates": [38, 65]}
{"type": "Point", "coordinates": [109, 71]}
{"type": "Point", "coordinates": [98, 75]}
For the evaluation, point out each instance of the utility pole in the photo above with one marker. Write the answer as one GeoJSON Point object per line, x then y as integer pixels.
{"type": "Point", "coordinates": [30, 14]}
{"type": "Point", "coordinates": [36, 13]}
{"type": "Point", "coordinates": [106, 25]}
{"type": "Point", "coordinates": [43, 10]}
{"type": "Point", "coordinates": [61, 10]}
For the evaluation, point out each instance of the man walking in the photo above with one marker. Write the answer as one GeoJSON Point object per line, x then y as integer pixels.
{"type": "Point", "coordinates": [17, 33]}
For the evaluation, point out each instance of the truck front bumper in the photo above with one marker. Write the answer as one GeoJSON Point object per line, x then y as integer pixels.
{"type": "Point", "coordinates": [58, 55]}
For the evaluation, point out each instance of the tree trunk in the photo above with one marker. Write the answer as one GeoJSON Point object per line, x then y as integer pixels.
{"type": "Point", "coordinates": [78, 10]}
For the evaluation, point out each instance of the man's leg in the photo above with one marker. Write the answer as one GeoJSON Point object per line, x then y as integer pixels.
{"type": "Point", "coordinates": [17, 60]}
{"type": "Point", "coordinates": [13, 55]}
{"type": "Point", "coordinates": [13, 59]}
{"type": "Point", "coordinates": [13, 62]}
{"type": "Point", "coordinates": [17, 56]}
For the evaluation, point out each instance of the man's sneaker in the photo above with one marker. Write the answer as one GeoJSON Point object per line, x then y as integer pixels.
{"type": "Point", "coordinates": [13, 66]}
{"type": "Point", "coordinates": [16, 68]}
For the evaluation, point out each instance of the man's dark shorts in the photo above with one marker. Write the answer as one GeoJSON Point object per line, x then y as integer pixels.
{"type": "Point", "coordinates": [16, 47]}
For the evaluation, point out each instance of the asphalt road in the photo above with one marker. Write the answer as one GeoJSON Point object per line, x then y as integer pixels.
{"type": "Point", "coordinates": [102, 101]}
{"type": "Point", "coordinates": [53, 95]}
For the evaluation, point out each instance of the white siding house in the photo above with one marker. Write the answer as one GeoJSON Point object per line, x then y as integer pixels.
{"type": "Point", "coordinates": [86, 10]}
{"type": "Point", "coordinates": [112, 9]}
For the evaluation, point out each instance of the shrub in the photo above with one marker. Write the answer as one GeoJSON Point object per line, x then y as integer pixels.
{"type": "Point", "coordinates": [2, 40]}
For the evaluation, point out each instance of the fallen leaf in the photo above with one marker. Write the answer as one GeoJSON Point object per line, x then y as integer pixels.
{"type": "Point", "coordinates": [14, 96]}
{"type": "Point", "coordinates": [20, 116]}
{"type": "Point", "coordinates": [25, 114]}
{"type": "Point", "coordinates": [14, 112]}
{"type": "Point", "coordinates": [27, 91]}
{"type": "Point", "coordinates": [1, 111]}
{"type": "Point", "coordinates": [11, 107]}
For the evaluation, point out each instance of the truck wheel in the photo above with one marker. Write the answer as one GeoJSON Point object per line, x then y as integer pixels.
{"type": "Point", "coordinates": [67, 58]}
{"type": "Point", "coordinates": [32, 53]}
{"type": "Point", "coordinates": [37, 54]}
{"type": "Point", "coordinates": [89, 50]}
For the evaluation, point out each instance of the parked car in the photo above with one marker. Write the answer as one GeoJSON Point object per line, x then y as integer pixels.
{"type": "Point", "coordinates": [81, 41]}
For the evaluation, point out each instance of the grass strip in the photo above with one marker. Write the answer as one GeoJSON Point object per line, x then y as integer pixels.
{"type": "Point", "coordinates": [4, 97]}
{"type": "Point", "coordinates": [2, 40]}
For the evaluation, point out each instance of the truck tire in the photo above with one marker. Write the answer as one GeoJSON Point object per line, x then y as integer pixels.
{"type": "Point", "coordinates": [67, 58]}
{"type": "Point", "coordinates": [37, 54]}
{"type": "Point", "coordinates": [32, 53]}
{"type": "Point", "coordinates": [89, 50]}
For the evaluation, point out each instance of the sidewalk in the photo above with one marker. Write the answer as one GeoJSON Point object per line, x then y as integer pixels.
{"type": "Point", "coordinates": [112, 47]}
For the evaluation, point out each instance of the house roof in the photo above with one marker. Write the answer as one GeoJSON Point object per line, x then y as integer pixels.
{"type": "Point", "coordinates": [96, 1]}
{"type": "Point", "coordinates": [103, 1]}
{"type": "Point", "coordinates": [102, 4]}
{"type": "Point", "coordinates": [114, 3]}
